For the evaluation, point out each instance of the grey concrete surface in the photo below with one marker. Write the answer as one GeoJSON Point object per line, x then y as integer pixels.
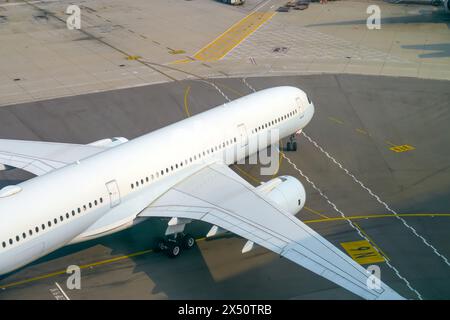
{"type": "Point", "coordinates": [357, 120]}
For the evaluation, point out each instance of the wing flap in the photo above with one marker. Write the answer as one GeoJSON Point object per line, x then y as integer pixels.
{"type": "Point", "coordinates": [40, 157]}
{"type": "Point", "coordinates": [223, 200]}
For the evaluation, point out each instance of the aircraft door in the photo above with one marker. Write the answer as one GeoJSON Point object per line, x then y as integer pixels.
{"type": "Point", "coordinates": [114, 193]}
{"type": "Point", "coordinates": [243, 135]}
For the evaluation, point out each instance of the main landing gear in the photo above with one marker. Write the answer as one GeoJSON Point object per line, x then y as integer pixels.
{"type": "Point", "coordinates": [291, 145]}
{"type": "Point", "coordinates": [173, 245]}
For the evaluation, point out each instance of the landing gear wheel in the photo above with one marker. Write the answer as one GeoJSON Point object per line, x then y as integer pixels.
{"type": "Point", "coordinates": [294, 146]}
{"type": "Point", "coordinates": [289, 146]}
{"type": "Point", "coordinates": [173, 249]}
{"type": "Point", "coordinates": [160, 244]}
{"type": "Point", "coordinates": [188, 241]}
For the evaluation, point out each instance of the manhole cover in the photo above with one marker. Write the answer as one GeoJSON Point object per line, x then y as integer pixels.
{"type": "Point", "coordinates": [280, 49]}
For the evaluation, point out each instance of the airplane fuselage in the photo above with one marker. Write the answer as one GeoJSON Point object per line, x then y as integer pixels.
{"type": "Point", "coordinates": [104, 193]}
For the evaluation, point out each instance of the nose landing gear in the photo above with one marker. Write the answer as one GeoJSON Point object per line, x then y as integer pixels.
{"type": "Point", "coordinates": [291, 145]}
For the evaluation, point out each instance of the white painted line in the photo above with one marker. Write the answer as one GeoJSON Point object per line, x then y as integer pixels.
{"type": "Point", "coordinates": [62, 291]}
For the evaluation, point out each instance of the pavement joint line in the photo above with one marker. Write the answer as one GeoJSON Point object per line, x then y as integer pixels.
{"type": "Point", "coordinates": [140, 253]}
{"type": "Point", "coordinates": [350, 223]}
{"type": "Point", "coordinates": [377, 198]}
{"type": "Point", "coordinates": [364, 132]}
{"type": "Point", "coordinates": [344, 216]}
{"type": "Point", "coordinates": [371, 241]}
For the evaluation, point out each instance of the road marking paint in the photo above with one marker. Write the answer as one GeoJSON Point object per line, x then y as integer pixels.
{"type": "Point", "coordinates": [186, 106]}
{"type": "Point", "coordinates": [362, 252]}
{"type": "Point", "coordinates": [62, 291]}
{"type": "Point", "coordinates": [316, 212]}
{"type": "Point", "coordinates": [375, 216]}
{"type": "Point", "coordinates": [361, 131]}
{"type": "Point", "coordinates": [402, 148]}
{"type": "Point", "coordinates": [133, 57]}
{"type": "Point", "coordinates": [173, 51]}
{"type": "Point", "coordinates": [377, 198]}
{"type": "Point", "coordinates": [233, 36]}
{"type": "Point", "coordinates": [186, 60]}
{"type": "Point", "coordinates": [358, 230]}
{"type": "Point", "coordinates": [336, 120]}
{"type": "Point", "coordinates": [136, 254]}
{"type": "Point", "coordinates": [372, 242]}
{"type": "Point", "coordinates": [247, 175]}
{"type": "Point", "coordinates": [94, 264]}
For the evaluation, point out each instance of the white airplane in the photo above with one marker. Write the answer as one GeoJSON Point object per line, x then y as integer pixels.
{"type": "Point", "coordinates": [181, 172]}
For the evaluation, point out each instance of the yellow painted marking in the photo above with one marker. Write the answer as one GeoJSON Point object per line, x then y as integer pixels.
{"type": "Point", "coordinates": [186, 60]}
{"type": "Point", "coordinates": [315, 212]}
{"type": "Point", "coordinates": [362, 252]}
{"type": "Point", "coordinates": [104, 262]}
{"type": "Point", "coordinates": [186, 106]}
{"type": "Point", "coordinates": [375, 216]}
{"type": "Point", "coordinates": [172, 51]}
{"type": "Point", "coordinates": [402, 148]}
{"type": "Point", "coordinates": [232, 37]}
{"type": "Point", "coordinates": [371, 241]}
{"type": "Point", "coordinates": [134, 57]}
{"type": "Point", "coordinates": [336, 120]}
{"type": "Point", "coordinates": [361, 131]}
{"type": "Point", "coordinates": [248, 175]}
{"type": "Point", "coordinates": [81, 267]}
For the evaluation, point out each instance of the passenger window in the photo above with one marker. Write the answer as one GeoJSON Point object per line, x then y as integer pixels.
{"type": "Point", "coordinates": [101, 200]}
{"type": "Point", "coordinates": [55, 221]}
{"type": "Point", "coordinates": [24, 235]}
{"type": "Point", "coordinates": [10, 241]}
{"type": "Point", "coordinates": [17, 238]}
{"type": "Point", "coordinates": [36, 229]}
{"type": "Point", "coordinates": [67, 215]}
{"type": "Point", "coordinates": [30, 232]}
{"type": "Point", "coordinates": [3, 244]}
{"type": "Point", "coordinates": [90, 204]}
{"type": "Point", "coordinates": [49, 223]}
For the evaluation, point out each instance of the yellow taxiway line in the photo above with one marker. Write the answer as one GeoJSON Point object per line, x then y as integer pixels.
{"type": "Point", "coordinates": [140, 253]}
{"type": "Point", "coordinates": [232, 37]}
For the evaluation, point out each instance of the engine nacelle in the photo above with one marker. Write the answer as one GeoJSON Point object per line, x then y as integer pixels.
{"type": "Point", "coordinates": [286, 191]}
{"type": "Point", "coordinates": [4, 167]}
{"type": "Point", "coordinates": [447, 5]}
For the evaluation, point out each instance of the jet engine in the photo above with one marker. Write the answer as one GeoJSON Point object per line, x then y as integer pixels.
{"type": "Point", "coordinates": [286, 191]}
{"type": "Point", "coordinates": [447, 5]}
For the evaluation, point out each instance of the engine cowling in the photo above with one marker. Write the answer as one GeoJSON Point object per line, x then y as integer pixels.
{"type": "Point", "coordinates": [286, 191]}
{"type": "Point", "coordinates": [447, 5]}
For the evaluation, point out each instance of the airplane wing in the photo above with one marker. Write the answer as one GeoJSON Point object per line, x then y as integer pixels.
{"type": "Point", "coordinates": [217, 195]}
{"type": "Point", "coordinates": [39, 157]}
